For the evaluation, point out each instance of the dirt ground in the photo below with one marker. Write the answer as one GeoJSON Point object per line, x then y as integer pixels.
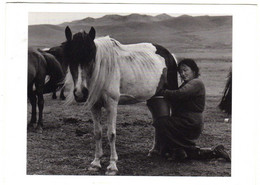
{"type": "Point", "coordinates": [66, 146]}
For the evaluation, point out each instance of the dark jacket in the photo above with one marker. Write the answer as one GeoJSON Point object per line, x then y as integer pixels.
{"type": "Point", "coordinates": [190, 96]}
{"type": "Point", "coordinates": [188, 103]}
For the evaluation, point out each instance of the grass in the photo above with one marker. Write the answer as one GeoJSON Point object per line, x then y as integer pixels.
{"type": "Point", "coordinates": [60, 151]}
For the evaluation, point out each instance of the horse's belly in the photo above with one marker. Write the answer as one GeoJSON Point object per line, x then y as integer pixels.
{"type": "Point", "coordinates": [140, 74]}
{"type": "Point", "coordinates": [127, 99]}
{"type": "Point", "coordinates": [134, 90]}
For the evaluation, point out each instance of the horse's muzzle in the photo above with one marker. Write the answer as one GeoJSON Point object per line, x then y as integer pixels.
{"type": "Point", "coordinates": [81, 96]}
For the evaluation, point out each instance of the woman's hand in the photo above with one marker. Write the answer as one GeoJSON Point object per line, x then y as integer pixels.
{"type": "Point", "coordinates": [162, 82]}
{"type": "Point", "coordinates": [160, 92]}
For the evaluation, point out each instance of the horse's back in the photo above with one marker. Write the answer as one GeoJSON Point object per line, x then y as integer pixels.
{"type": "Point", "coordinates": [170, 60]}
{"type": "Point", "coordinates": [36, 66]}
{"type": "Point", "coordinates": [147, 55]}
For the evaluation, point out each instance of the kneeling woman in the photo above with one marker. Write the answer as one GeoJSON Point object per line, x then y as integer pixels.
{"type": "Point", "coordinates": [176, 133]}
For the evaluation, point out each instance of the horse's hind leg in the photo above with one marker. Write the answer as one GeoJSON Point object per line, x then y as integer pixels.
{"type": "Point", "coordinates": [111, 134]}
{"type": "Point", "coordinates": [62, 96]}
{"type": "Point", "coordinates": [156, 145]}
{"type": "Point", "coordinates": [33, 100]}
{"type": "Point", "coordinates": [96, 115]}
{"type": "Point", "coordinates": [54, 96]}
{"type": "Point", "coordinates": [39, 91]}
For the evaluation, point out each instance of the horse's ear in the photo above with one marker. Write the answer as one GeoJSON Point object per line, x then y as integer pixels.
{"type": "Point", "coordinates": [92, 33]}
{"type": "Point", "coordinates": [68, 34]}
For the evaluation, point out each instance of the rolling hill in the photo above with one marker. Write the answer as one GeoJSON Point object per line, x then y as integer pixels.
{"type": "Point", "coordinates": [182, 35]}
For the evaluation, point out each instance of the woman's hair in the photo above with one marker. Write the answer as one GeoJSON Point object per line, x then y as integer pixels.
{"type": "Point", "coordinates": [190, 63]}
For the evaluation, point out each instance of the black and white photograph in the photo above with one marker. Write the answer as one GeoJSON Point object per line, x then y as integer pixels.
{"type": "Point", "coordinates": [130, 59]}
{"type": "Point", "coordinates": [131, 90]}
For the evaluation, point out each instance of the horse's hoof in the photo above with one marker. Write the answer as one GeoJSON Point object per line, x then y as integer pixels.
{"type": "Point", "coordinates": [30, 128]}
{"type": "Point", "coordinates": [35, 125]}
{"type": "Point", "coordinates": [112, 169]}
{"type": "Point", "coordinates": [63, 98]}
{"type": "Point", "coordinates": [94, 168]}
{"type": "Point", "coordinates": [111, 172]}
{"type": "Point", "coordinates": [149, 154]}
{"type": "Point", "coordinates": [153, 153]}
{"type": "Point", "coordinates": [39, 130]}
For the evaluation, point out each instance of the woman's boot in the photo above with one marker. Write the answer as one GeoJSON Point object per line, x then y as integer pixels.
{"type": "Point", "coordinates": [208, 153]}
{"type": "Point", "coordinates": [219, 152]}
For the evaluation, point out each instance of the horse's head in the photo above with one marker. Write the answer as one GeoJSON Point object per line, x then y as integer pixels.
{"type": "Point", "coordinates": [79, 52]}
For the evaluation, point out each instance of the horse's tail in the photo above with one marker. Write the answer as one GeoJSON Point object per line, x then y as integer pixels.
{"type": "Point", "coordinates": [226, 101]}
{"type": "Point", "coordinates": [55, 71]}
{"type": "Point", "coordinates": [171, 64]}
{"type": "Point", "coordinates": [172, 76]}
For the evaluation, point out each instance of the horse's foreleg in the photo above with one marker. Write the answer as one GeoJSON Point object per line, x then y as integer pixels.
{"type": "Point", "coordinates": [111, 134]}
{"type": "Point", "coordinates": [96, 115]}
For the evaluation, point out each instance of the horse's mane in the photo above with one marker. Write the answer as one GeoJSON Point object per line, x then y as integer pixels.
{"type": "Point", "coordinates": [104, 67]}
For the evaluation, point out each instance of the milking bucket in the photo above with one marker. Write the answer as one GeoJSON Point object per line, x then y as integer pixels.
{"type": "Point", "coordinates": [159, 107]}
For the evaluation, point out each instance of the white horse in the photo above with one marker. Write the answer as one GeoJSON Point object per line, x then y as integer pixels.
{"type": "Point", "coordinates": [107, 73]}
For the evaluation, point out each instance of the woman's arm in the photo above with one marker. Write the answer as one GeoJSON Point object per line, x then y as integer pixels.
{"type": "Point", "coordinates": [192, 88]}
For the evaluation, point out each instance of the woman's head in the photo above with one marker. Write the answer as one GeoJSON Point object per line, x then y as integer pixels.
{"type": "Point", "coordinates": [188, 69]}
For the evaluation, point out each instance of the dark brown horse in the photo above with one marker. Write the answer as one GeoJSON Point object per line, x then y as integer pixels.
{"type": "Point", "coordinates": [226, 101]}
{"type": "Point", "coordinates": [57, 51]}
{"type": "Point", "coordinates": [41, 64]}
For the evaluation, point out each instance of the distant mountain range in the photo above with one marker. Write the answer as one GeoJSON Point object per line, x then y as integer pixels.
{"type": "Point", "coordinates": [175, 33]}
{"type": "Point", "coordinates": [119, 19]}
